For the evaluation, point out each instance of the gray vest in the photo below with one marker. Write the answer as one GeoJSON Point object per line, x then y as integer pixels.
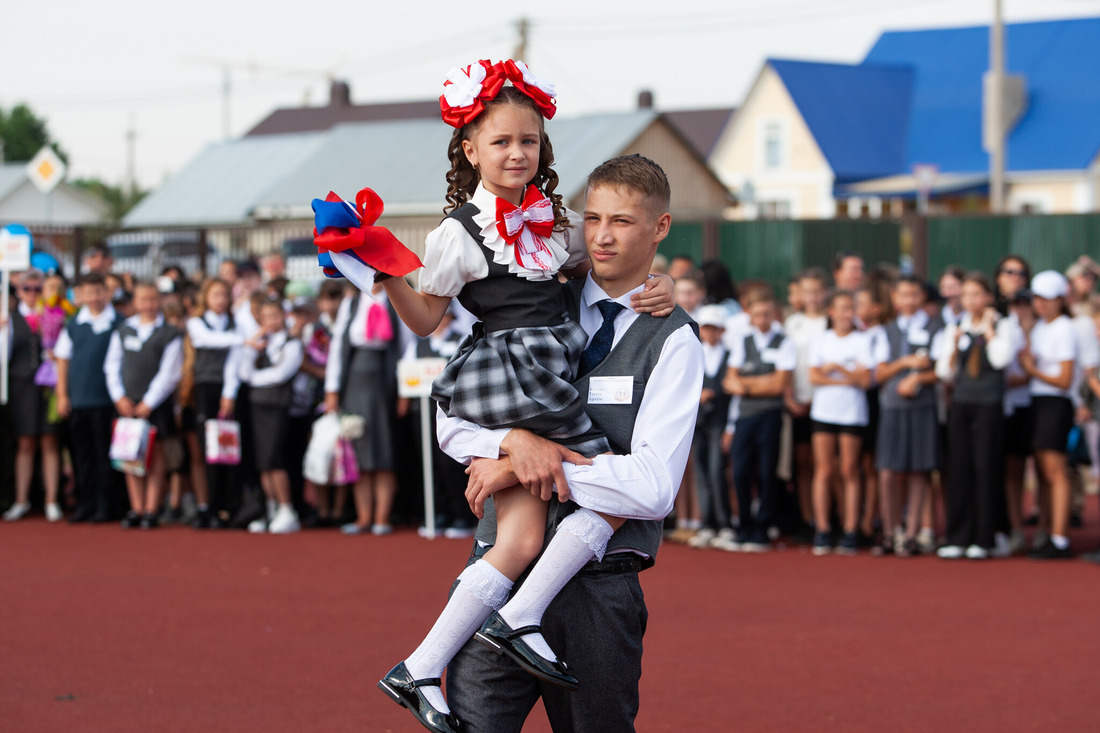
{"type": "Point", "coordinates": [210, 363]}
{"type": "Point", "coordinates": [755, 366]}
{"type": "Point", "coordinates": [275, 395]}
{"type": "Point", "coordinates": [636, 354]}
{"type": "Point", "coordinates": [987, 388]}
{"type": "Point", "coordinates": [139, 367]}
{"type": "Point", "coordinates": [899, 346]}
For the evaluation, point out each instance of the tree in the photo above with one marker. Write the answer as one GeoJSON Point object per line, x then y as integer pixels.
{"type": "Point", "coordinates": [119, 199]}
{"type": "Point", "coordinates": [23, 133]}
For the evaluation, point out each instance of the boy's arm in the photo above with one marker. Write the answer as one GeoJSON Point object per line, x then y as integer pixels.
{"type": "Point", "coordinates": [64, 406]}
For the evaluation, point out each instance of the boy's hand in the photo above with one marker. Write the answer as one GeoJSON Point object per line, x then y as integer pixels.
{"type": "Point", "coordinates": [332, 402]}
{"type": "Point", "coordinates": [656, 298]}
{"type": "Point", "coordinates": [487, 477]}
{"type": "Point", "coordinates": [225, 409]}
{"type": "Point", "coordinates": [143, 411]}
{"type": "Point", "coordinates": [537, 461]}
{"type": "Point", "coordinates": [64, 406]}
{"type": "Point", "coordinates": [125, 407]}
{"type": "Point", "coordinates": [908, 386]}
{"type": "Point", "coordinates": [727, 442]}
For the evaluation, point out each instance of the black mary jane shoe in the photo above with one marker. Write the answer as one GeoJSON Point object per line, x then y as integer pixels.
{"type": "Point", "coordinates": [496, 634]}
{"type": "Point", "coordinates": [399, 685]}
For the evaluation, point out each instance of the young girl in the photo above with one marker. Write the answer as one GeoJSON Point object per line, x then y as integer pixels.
{"type": "Point", "coordinates": [144, 366]}
{"type": "Point", "coordinates": [1049, 361]}
{"type": "Point", "coordinates": [976, 352]}
{"type": "Point", "coordinates": [212, 331]}
{"type": "Point", "coordinates": [499, 251]}
{"type": "Point", "coordinates": [840, 370]}
{"type": "Point", "coordinates": [269, 362]}
{"type": "Point", "coordinates": [30, 401]}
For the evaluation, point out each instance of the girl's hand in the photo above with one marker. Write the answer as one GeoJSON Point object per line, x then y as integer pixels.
{"type": "Point", "coordinates": [143, 411]}
{"type": "Point", "coordinates": [727, 442]}
{"type": "Point", "coordinates": [656, 298]}
{"type": "Point", "coordinates": [125, 407]}
{"type": "Point", "coordinates": [332, 402]}
{"type": "Point", "coordinates": [225, 409]}
{"type": "Point", "coordinates": [1027, 360]}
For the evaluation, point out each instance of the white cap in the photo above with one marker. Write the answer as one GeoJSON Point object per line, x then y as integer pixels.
{"type": "Point", "coordinates": [1049, 284]}
{"type": "Point", "coordinates": [712, 315]}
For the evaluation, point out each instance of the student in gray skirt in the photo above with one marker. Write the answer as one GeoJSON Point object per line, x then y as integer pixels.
{"type": "Point", "coordinates": [908, 433]}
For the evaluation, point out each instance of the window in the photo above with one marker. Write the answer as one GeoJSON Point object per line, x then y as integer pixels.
{"type": "Point", "coordinates": [779, 209]}
{"type": "Point", "coordinates": [773, 146]}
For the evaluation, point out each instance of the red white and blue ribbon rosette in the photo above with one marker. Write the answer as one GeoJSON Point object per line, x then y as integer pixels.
{"type": "Point", "coordinates": [350, 245]}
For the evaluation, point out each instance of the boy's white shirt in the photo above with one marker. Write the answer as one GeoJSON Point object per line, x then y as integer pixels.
{"type": "Point", "coordinates": [100, 324]}
{"type": "Point", "coordinates": [169, 373]}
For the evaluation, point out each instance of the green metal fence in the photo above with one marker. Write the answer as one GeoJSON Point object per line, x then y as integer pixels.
{"type": "Point", "coordinates": [978, 243]}
{"type": "Point", "coordinates": [683, 239]}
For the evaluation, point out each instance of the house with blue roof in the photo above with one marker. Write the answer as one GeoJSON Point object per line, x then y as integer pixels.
{"type": "Point", "coordinates": [817, 140]}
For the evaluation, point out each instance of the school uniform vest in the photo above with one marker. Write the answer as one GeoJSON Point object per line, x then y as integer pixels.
{"type": "Point", "coordinates": [988, 388]}
{"type": "Point", "coordinates": [714, 413]}
{"type": "Point", "coordinates": [210, 363]}
{"type": "Point", "coordinates": [87, 382]}
{"type": "Point", "coordinates": [755, 366]}
{"type": "Point", "coordinates": [275, 395]}
{"type": "Point", "coordinates": [493, 300]}
{"type": "Point", "coordinates": [25, 349]}
{"type": "Point", "coordinates": [390, 352]}
{"type": "Point", "coordinates": [899, 346]}
{"type": "Point", "coordinates": [139, 367]}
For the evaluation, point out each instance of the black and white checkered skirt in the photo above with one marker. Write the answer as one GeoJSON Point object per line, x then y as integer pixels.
{"type": "Point", "coordinates": [520, 378]}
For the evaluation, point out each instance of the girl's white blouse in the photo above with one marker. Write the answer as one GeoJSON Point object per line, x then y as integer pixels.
{"type": "Point", "coordinates": [452, 258]}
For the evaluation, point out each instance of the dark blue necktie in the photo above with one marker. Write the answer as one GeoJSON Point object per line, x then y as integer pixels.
{"type": "Point", "coordinates": [600, 347]}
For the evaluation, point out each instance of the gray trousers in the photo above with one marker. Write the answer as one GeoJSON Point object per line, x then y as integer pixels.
{"type": "Point", "coordinates": [596, 625]}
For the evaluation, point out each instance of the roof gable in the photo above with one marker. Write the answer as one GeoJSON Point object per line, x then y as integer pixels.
{"type": "Point", "coordinates": [1062, 70]}
{"type": "Point", "coordinates": [845, 106]}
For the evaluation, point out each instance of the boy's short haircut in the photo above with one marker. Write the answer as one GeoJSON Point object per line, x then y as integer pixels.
{"type": "Point", "coordinates": [759, 294]}
{"type": "Point", "coordinates": [813, 273]}
{"type": "Point", "coordinates": [911, 280]}
{"type": "Point", "coordinates": [637, 173]}
{"type": "Point", "coordinates": [333, 289]}
{"type": "Point", "coordinates": [92, 278]}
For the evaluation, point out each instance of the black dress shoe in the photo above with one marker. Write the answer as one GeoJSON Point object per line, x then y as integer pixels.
{"type": "Point", "coordinates": [149, 521]}
{"type": "Point", "coordinates": [80, 515]}
{"type": "Point", "coordinates": [496, 634]}
{"type": "Point", "coordinates": [131, 520]}
{"type": "Point", "coordinates": [399, 685]}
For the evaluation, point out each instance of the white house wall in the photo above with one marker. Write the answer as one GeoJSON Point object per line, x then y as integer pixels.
{"type": "Point", "coordinates": [803, 179]}
{"type": "Point", "coordinates": [27, 205]}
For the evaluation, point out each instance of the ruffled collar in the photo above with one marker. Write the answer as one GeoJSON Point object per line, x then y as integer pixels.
{"type": "Point", "coordinates": [503, 253]}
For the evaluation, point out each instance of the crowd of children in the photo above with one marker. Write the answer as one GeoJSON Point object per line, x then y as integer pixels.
{"type": "Point", "coordinates": [228, 358]}
{"type": "Point", "coordinates": [891, 414]}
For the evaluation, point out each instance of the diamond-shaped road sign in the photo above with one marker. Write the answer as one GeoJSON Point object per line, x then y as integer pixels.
{"type": "Point", "coordinates": [46, 170]}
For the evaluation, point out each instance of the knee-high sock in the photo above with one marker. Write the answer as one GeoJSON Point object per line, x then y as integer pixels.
{"type": "Point", "coordinates": [481, 590]}
{"type": "Point", "coordinates": [581, 536]}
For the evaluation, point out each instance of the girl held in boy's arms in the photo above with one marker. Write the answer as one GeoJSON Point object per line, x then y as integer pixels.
{"type": "Point", "coordinates": [506, 237]}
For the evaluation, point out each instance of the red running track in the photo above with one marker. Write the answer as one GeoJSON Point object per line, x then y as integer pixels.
{"type": "Point", "coordinates": [177, 630]}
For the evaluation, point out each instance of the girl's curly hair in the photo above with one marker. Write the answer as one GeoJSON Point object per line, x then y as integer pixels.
{"type": "Point", "coordinates": [463, 178]}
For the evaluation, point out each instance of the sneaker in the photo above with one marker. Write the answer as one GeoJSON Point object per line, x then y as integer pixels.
{"type": "Point", "coordinates": [54, 513]}
{"type": "Point", "coordinates": [702, 538]}
{"type": "Point", "coordinates": [285, 521]}
{"type": "Point", "coordinates": [381, 529]}
{"type": "Point", "coordinates": [823, 544]}
{"type": "Point", "coordinates": [353, 528]}
{"type": "Point", "coordinates": [1002, 547]}
{"type": "Point", "coordinates": [171, 516]}
{"type": "Point", "coordinates": [848, 545]}
{"type": "Point", "coordinates": [1017, 542]}
{"type": "Point", "coordinates": [1050, 551]}
{"type": "Point", "coordinates": [951, 552]}
{"type": "Point", "coordinates": [977, 552]}
{"type": "Point", "coordinates": [17, 511]}
{"type": "Point", "coordinates": [149, 521]}
{"type": "Point", "coordinates": [257, 526]}
{"type": "Point", "coordinates": [1039, 539]}
{"type": "Point", "coordinates": [726, 535]}
{"type": "Point", "coordinates": [908, 548]}
{"type": "Point", "coordinates": [756, 543]}
{"type": "Point", "coordinates": [727, 543]}
{"type": "Point", "coordinates": [926, 541]}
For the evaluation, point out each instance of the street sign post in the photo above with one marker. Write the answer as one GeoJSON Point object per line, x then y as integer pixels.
{"type": "Point", "coordinates": [46, 170]}
{"type": "Point", "coordinates": [15, 255]}
{"type": "Point", "coordinates": [414, 379]}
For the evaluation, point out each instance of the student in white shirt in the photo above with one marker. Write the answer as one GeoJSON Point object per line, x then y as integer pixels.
{"type": "Point", "coordinates": [1050, 361]}
{"type": "Point", "coordinates": [759, 372]}
{"type": "Point", "coordinates": [840, 370]}
{"type": "Point", "coordinates": [144, 366]}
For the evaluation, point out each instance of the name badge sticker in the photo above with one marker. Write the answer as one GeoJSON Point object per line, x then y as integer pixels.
{"type": "Point", "coordinates": [769, 356]}
{"type": "Point", "coordinates": [610, 390]}
{"type": "Point", "coordinates": [918, 337]}
{"type": "Point", "coordinates": [131, 343]}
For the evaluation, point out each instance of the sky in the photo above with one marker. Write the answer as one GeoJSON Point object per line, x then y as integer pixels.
{"type": "Point", "coordinates": [98, 70]}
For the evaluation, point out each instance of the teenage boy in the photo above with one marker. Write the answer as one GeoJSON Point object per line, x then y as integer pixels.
{"type": "Point", "coordinates": [644, 396]}
{"type": "Point", "coordinates": [82, 396]}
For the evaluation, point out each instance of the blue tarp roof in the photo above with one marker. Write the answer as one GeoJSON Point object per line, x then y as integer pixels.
{"type": "Point", "coordinates": [917, 98]}
{"type": "Point", "coordinates": [846, 106]}
{"type": "Point", "coordinates": [1059, 59]}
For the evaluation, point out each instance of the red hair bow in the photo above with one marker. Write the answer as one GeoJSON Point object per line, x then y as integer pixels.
{"type": "Point", "coordinates": [541, 92]}
{"type": "Point", "coordinates": [465, 92]}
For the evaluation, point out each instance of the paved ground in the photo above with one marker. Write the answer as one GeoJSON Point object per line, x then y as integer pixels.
{"type": "Point", "coordinates": [176, 630]}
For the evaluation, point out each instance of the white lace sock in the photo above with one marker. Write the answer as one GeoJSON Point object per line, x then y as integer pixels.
{"type": "Point", "coordinates": [481, 590]}
{"type": "Point", "coordinates": [581, 536]}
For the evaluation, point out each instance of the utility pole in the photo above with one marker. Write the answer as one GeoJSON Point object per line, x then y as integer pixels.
{"type": "Point", "coordinates": [522, 26]}
{"type": "Point", "coordinates": [131, 139]}
{"type": "Point", "coordinates": [227, 91]}
{"type": "Point", "coordinates": [996, 107]}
